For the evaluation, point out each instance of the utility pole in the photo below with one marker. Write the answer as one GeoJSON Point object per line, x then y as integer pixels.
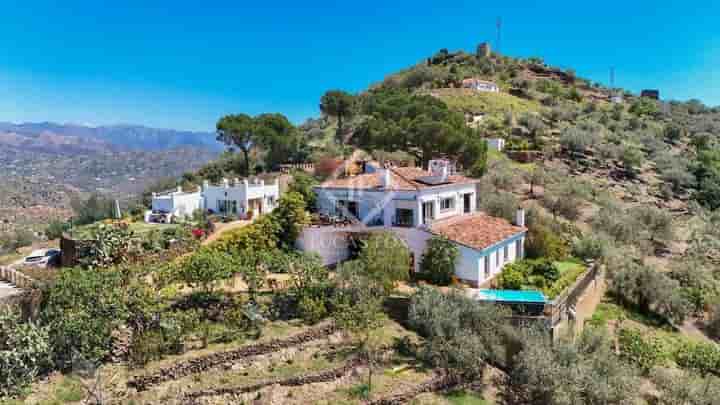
{"type": "Point", "coordinates": [498, 24]}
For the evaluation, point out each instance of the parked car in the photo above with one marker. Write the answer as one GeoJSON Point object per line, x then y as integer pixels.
{"type": "Point", "coordinates": [43, 258]}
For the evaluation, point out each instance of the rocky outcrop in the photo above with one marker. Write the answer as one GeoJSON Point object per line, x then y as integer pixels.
{"type": "Point", "coordinates": [201, 364]}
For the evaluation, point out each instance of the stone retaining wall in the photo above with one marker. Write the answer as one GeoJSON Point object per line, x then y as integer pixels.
{"type": "Point", "coordinates": [437, 383]}
{"type": "Point", "coordinates": [201, 364]}
{"type": "Point", "coordinates": [322, 376]}
{"type": "Point", "coordinates": [16, 278]}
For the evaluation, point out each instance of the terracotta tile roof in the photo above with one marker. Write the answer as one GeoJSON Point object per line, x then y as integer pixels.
{"type": "Point", "coordinates": [402, 179]}
{"type": "Point", "coordinates": [478, 231]}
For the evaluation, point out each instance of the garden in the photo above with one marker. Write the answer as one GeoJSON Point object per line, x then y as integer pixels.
{"type": "Point", "coordinates": [550, 277]}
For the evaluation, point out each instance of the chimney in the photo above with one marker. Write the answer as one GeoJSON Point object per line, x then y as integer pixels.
{"type": "Point", "coordinates": [205, 185]}
{"type": "Point", "coordinates": [179, 189]}
{"type": "Point", "coordinates": [439, 168]}
{"type": "Point", "coordinates": [385, 178]}
{"type": "Point", "coordinates": [225, 183]}
{"type": "Point", "coordinates": [520, 217]}
{"type": "Point", "coordinates": [246, 184]}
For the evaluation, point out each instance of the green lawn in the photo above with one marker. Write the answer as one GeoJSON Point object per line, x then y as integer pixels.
{"type": "Point", "coordinates": [569, 273]}
{"type": "Point", "coordinates": [566, 266]}
{"type": "Point", "coordinates": [140, 228]}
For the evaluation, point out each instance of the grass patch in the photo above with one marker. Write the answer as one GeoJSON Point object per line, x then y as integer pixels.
{"type": "Point", "coordinates": [464, 397]}
{"type": "Point", "coordinates": [569, 273]}
{"type": "Point", "coordinates": [496, 104]}
{"type": "Point", "coordinates": [566, 266]}
{"type": "Point", "coordinates": [139, 228]}
{"type": "Point", "coordinates": [360, 391]}
{"type": "Point", "coordinates": [608, 310]}
{"type": "Point", "coordinates": [69, 390]}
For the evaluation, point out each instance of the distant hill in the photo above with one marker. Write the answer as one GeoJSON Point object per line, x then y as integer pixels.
{"type": "Point", "coordinates": [43, 165]}
{"type": "Point", "coordinates": [53, 137]}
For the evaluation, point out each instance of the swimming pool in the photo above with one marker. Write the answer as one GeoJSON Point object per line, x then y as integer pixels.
{"type": "Point", "coordinates": [512, 296]}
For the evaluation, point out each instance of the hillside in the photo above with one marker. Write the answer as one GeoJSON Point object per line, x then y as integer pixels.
{"type": "Point", "coordinates": [43, 166]}
{"type": "Point", "coordinates": [621, 203]}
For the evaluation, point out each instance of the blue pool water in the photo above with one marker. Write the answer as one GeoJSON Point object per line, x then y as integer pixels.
{"type": "Point", "coordinates": [512, 296]}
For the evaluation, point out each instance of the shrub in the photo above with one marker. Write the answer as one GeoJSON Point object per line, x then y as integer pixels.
{"type": "Point", "coordinates": [632, 158]}
{"type": "Point", "coordinates": [81, 309]}
{"type": "Point", "coordinates": [56, 228]}
{"type": "Point", "coordinates": [15, 240]}
{"type": "Point", "coordinates": [312, 310]}
{"type": "Point", "coordinates": [439, 260]}
{"type": "Point", "coordinates": [585, 371]}
{"type": "Point", "coordinates": [514, 276]}
{"type": "Point", "coordinates": [646, 353]}
{"type": "Point", "coordinates": [703, 357]}
{"type": "Point", "coordinates": [679, 387]}
{"type": "Point", "coordinates": [500, 204]}
{"type": "Point", "coordinates": [713, 326]}
{"type": "Point", "coordinates": [205, 268]}
{"type": "Point", "coordinates": [303, 184]}
{"type": "Point", "coordinates": [649, 290]}
{"type": "Point", "coordinates": [460, 334]}
{"type": "Point", "coordinates": [590, 247]}
{"type": "Point", "coordinates": [542, 242]}
{"type": "Point", "coordinates": [111, 245]}
{"type": "Point", "coordinates": [386, 259]}
{"type": "Point", "coordinates": [577, 140]}
{"type": "Point", "coordinates": [25, 352]}
{"type": "Point", "coordinates": [290, 217]}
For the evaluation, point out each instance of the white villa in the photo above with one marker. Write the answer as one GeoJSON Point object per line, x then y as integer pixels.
{"type": "Point", "coordinates": [480, 85]}
{"type": "Point", "coordinates": [416, 204]}
{"type": "Point", "coordinates": [172, 204]}
{"type": "Point", "coordinates": [237, 200]}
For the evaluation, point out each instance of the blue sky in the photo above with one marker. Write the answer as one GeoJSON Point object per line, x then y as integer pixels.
{"type": "Point", "coordinates": [183, 64]}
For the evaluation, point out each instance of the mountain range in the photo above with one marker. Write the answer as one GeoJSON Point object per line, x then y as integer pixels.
{"type": "Point", "coordinates": [51, 137]}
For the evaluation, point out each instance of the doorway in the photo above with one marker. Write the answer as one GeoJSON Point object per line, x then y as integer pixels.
{"type": "Point", "coordinates": [467, 203]}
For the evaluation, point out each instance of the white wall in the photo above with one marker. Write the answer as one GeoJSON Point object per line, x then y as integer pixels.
{"type": "Point", "coordinates": [497, 144]}
{"type": "Point", "coordinates": [177, 203]}
{"type": "Point", "coordinates": [241, 192]}
{"type": "Point", "coordinates": [331, 244]}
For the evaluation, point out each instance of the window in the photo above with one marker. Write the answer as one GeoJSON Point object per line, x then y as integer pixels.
{"type": "Point", "coordinates": [404, 217]}
{"type": "Point", "coordinates": [428, 211]}
{"type": "Point", "coordinates": [446, 204]}
{"type": "Point", "coordinates": [227, 206]}
{"type": "Point", "coordinates": [487, 266]}
{"type": "Point", "coordinates": [497, 258]}
{"type": "Point", "coordinates": [518, 249]}
{"type": "Point", "coordinates": [507, 253]}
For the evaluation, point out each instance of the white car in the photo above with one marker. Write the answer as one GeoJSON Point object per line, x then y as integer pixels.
{"type": "Point", "coordinates": [43, 258]}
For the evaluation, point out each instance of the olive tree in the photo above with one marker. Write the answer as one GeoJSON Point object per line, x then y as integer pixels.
{"type": "Point", "coordinates": [386, 259]}
{"type": "Point", "coordinates": [358, 310]}
{"type": "Point", "coordinates": [439, 260]}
